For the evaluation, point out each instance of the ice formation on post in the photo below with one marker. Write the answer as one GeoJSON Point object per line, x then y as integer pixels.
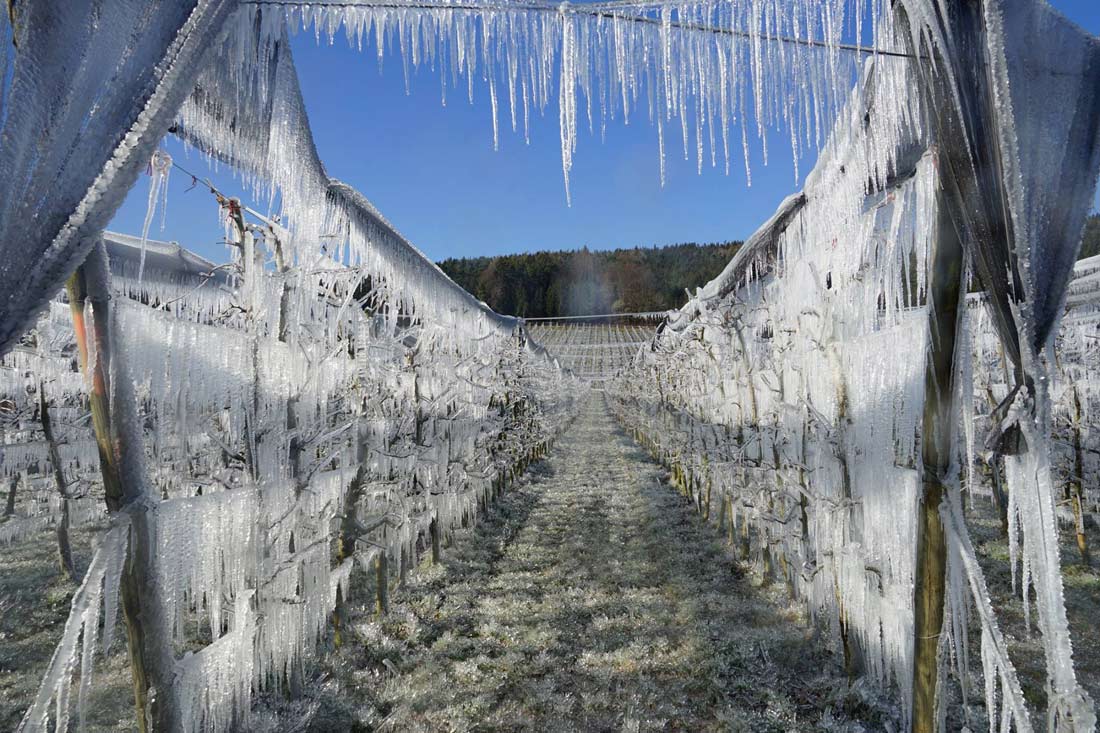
{"type": "Point", "coordinates": [79, 639]}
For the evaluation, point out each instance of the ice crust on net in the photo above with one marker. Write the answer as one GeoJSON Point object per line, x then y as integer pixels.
{"type": "Point", "coordinates": [84, 109]}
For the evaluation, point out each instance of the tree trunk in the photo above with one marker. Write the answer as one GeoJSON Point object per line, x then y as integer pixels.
{"type": "Point", "coordinates": [382, 581]}
{"type": "Point", "coordinates": [406, 561]}
{"type": "Point", "coordinates": [434, 532]}
{"type": "Point", "coordinates": [1000, 499]}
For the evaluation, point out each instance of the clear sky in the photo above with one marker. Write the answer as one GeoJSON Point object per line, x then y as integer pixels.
{"type": "Point", "coordinates": [433, 172]}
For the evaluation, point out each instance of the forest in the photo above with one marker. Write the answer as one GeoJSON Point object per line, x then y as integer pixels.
{"type": "Point", "coordinates": [627, 280]}
{"type": "Point", "coordinates": [1090, 242]}
{"type": "Point", "coordinates": [583, 282]}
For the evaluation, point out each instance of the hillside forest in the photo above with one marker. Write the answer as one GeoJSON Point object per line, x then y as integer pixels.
{"type": "Point", "coordinates": [583, 282]}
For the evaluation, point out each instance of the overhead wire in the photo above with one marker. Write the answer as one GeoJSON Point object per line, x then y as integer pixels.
{"type": "Point", "coordinates": [607, 11]}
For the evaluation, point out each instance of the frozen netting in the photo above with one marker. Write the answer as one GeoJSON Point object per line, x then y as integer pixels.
{"type": "Point", "coordinates": [789, 394]}
{"type": "Point", "coordinates": [82, 108]}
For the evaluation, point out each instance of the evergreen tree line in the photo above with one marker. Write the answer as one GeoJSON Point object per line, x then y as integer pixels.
{"type": "Point", "coordinates": [1090, 244]}
{"type": "Point", "coordinates": [583, 282]}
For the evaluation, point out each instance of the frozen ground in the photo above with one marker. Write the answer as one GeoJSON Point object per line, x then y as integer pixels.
{"type": "Point", "coordinates": [593, 599]}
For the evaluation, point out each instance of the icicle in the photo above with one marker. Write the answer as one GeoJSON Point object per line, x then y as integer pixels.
{"type": "Point", "coordinates": [159, 168]}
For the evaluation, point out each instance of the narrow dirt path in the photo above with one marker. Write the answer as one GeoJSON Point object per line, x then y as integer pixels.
{"type": "Point", "coordinates": [595, 599]}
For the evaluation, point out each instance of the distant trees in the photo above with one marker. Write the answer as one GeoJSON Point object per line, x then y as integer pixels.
{"type": "Point", "coordinates": [1090, 242]}
{"type": "Point", "coordinates": [582, 282]}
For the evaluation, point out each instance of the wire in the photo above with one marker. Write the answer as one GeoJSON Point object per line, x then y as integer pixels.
{"type": "Point", "coordinates": [598, 12]}
{"type": "Point", "coordinates": [206, 182]}
{"type": "Point", "coordinates": [651, 314]}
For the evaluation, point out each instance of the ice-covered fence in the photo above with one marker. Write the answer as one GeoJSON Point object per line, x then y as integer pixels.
{"type": "Point", "coordinates": [808, 397]}
{"type": "Point", "coordinates": [1075, 392]}
{"type": "Point", "coordinates": [349, 399]}
{"type": "Point", "coordinates": [1077, 397]}
{"type": "Point", "coordinates": [45, 361]}
{"type": "Point", "coordinates": [357, 427]}
{"type": "Point", "coordinates": [48, 461]}
{"type": "Point", "coordinates": [247, 110]}
{"type": "Point", "coordinates": [595, 348]}
{"type": "Point", "coordinates": [788, 393]}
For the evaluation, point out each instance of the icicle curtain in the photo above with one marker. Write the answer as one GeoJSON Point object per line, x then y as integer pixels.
{"type": "Point", "coordinates": [713, 74]}
{"type": "Point", "coordinates": [247, 110]}
{"type": "Point", "coordinates": [89, 90]}
{"type": "Point", "coordinates": [801, 336]}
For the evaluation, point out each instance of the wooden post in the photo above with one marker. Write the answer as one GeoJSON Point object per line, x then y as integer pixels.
{"type": "Point", "coordinates": [349, 531]}
{"type": "Point", "coordinates": [382, 581]}
{"type": "Point", "coordinates": [64, 548]}
{"type": "Point", "coordinates": [151, 664]}
{"type": "Point", "coordinates": [97, 398]}
{"type": "Point", "coordinates": [1077, 482]}
{"type": "Point", "coordinates": [944, 294]}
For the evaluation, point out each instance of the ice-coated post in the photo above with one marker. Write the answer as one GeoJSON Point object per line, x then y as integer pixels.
{"type": "Point", "coordinates": [434, 532]}
{"type": "Point", "coordinates": [944, 290]}
{"type": "Point", "coordinates": [382, 581]}
{"type": "Point", "coordinates": [120, 458]}
{"type": "Point", "coordinates": [64, 548]}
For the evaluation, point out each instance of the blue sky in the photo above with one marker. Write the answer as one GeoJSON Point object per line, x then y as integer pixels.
{"type": "Point", "coordinates": [432, 169]}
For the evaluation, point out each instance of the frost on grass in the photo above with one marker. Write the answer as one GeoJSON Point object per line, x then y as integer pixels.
{"type": "Point", "coordinates": [593, 599]}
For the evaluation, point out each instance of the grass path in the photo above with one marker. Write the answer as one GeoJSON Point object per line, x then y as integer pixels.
{"type": "Point", "coordinates": [593, 599]}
